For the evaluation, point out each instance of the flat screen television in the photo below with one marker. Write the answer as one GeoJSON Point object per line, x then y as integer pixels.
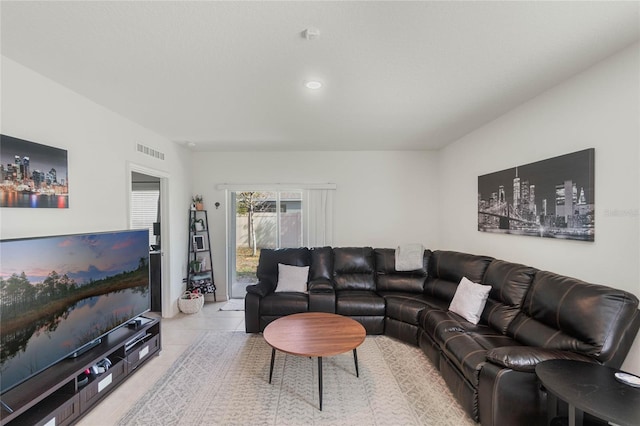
{"type": "Point", "coordinates": [61, 294]}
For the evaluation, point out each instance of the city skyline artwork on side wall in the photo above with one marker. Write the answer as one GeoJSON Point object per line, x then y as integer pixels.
{"type": "Point", "coordinates": [552, 198]}
{"type": "Point", "coordinates": [32, 175]}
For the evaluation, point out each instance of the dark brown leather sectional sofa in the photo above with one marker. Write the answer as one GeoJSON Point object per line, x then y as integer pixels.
{"type": "Point", "coordinates": [530, 316]}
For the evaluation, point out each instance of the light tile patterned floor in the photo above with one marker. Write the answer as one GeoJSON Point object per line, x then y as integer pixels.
{"type": "Point", "coordinates": [178, 333]}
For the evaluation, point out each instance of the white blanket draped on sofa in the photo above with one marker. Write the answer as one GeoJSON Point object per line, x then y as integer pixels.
{"type": "Point", "coordinates": [409, 257]}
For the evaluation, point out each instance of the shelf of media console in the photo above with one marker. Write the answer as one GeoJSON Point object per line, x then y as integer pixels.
{"type": "Point", "coordinates": [141, 338]}
{"type": "Point", "coordinates": [55, 395]}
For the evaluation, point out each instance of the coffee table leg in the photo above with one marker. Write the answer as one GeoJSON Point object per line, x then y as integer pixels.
{"type": "Point", "coordinates": [355, 359]}
{"type": "Point", "coordinates": [552, 407]}
{"type": "Point", "coordinates": [273, 358]}
{"type": "Point", "coordinates": [575, 416]}
{"type": "Point", "coordinates": [320, 379]}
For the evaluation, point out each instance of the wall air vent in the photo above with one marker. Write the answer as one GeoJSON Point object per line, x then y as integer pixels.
{"type": "Point", "coordinates": [150, 151]}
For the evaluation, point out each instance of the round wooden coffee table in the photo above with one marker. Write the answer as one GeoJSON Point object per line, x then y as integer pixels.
{"type": "Point", "coordinates": [314, 334]}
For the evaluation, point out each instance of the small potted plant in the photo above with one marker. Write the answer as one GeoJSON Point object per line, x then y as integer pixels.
{"type": "Point", "coordinates": [196, 265]}
{"type": "Point", "coordinates": [197, 200]}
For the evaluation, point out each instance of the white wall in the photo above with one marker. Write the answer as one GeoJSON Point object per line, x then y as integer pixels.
{"type": "Point", "coordinates": [100, 146]}
{"type": "Point", "coordinates": [383, 199]}
{"type": "Point", "coordinates": [598, 108]}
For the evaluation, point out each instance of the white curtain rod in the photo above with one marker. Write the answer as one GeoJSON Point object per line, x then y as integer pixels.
{"type": "Point", "coordinates": [272, 186]}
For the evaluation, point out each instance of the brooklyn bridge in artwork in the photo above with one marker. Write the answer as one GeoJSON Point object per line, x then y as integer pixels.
{"type": "Point", "coordinates": [550, 198]}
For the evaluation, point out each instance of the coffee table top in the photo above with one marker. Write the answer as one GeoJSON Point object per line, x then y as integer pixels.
{"type": "Point", "coordinates": [591, 388]}
{"type": "Point", "coordinates": [315, 334]}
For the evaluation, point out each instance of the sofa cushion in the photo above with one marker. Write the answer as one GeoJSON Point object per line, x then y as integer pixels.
{"type": "Point", "coordinates": [388, 279]}
{"type": "Point", "coordinates": [463, 343]}
{"type": "Point", "coordinates": [405, 307]}
{"type": "Point", "coordinates": [509, 285]}
{"type": "Point", "coordinates": [525, 358]}
{"type": "Point", "coordinates": [354, 268]}
{"type": "Point", "coordinates": [441, 289]}
{"type": "Point", "coordinates": [466, 353]}
{"type": "Point", "coordinates": [362, 303]}
{"type": "Point", "coordinates": [452, 266]}
{"type": "Point", "coordinates": [425, 299]}
{"type": "Point", "coordinates": [469, 300]}
{"type": "Point", "coordinates": [436, 321]}
{"type": "Point", "coordinates": [279, 304]}
{"type": "Point", "coordinates": [321, 264]}
{"type": "Point", "coordinates": [267, 271]}
{"type": "Point", "coordinates": [568, 314]}
{"type": "Point", "coordinates": [292, 278]}
{"type": "Point", "coordinates": [438, 324]}
{"type": "Point", "coordinates": [446, 269]}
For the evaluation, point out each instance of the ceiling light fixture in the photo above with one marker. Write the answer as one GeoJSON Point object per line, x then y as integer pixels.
{"type": "Point", "coordinates": [313, 85]}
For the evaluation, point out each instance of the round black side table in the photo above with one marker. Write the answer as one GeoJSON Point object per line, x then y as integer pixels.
{"type": "Point", "coordinates": [589, 388]}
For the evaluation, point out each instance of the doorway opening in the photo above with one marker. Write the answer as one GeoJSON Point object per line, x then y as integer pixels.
{"type": "Point", "coordinates": [148, 209]}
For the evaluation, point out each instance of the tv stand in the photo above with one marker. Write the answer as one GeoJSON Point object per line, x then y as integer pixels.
{"type": "Point", "coordinates": [59, 396]}
{"type": "Point", "coordinates": [6, 407]}
{"type": "Point", "coordinates": [85, 348]}
{"type": "Point", "coordinates": [135, 340]}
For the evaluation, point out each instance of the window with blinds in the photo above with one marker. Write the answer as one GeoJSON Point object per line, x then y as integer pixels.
{"type": "Point", "coordinates": [144, 210]}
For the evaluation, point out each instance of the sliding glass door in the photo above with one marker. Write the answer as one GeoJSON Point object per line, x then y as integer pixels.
{"type": "Point", "coordinates": [260, 219]}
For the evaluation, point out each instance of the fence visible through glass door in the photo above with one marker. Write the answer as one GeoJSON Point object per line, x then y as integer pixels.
{"type": "Point", "coordinates": [261, 219]}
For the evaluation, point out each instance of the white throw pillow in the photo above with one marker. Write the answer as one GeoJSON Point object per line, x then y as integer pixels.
{"type": "Point", "coordinates": [292, 278]}
{"type": "Point", "coordinates": [469, 300]}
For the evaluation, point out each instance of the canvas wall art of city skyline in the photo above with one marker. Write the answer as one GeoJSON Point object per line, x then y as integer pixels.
{"type": "Point", "coordinates": [32, 175]}
{"type": "Point", "coordinates": [552, 198]}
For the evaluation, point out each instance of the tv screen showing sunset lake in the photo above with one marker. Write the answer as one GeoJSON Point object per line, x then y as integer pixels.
{"type": "Point", "coordinates": [58, 294]}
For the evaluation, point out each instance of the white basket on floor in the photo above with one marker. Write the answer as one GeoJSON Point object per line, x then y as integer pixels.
{"type": "Point", "coordinates": [191, 303]}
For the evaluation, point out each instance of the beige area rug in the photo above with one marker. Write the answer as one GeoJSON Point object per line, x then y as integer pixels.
{"type": "Point", "coordinates": [223, 379]}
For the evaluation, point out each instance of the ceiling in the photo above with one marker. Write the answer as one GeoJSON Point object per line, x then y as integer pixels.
{"type": "Point", "coordinates": [229, 75]}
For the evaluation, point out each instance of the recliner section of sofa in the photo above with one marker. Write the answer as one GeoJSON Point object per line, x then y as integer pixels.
{"type": "Point", "coordinates": [263, 304]}
{"type": "Point", "coordinates": [403, 292]}
{"type": "Point", "coordinates": [560, 318]}
{"type": "Point", "coordinates": [454, 345]}
{"type": "Point", "coordinates": [530, 316]}
{"type": "Point", "coordinates": [322, 293]}
{"type": "Point", "coordinates": [355, 286]}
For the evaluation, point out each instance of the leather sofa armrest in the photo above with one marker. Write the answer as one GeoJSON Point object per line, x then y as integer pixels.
{"type": "Point", "coordinates": [322, 296]}
{"type": "Point", "coordinates": [260, 289]}
{"type": "Point", "coordinates": [525, 358]}
{"type": "Point", "coordinates": [320, 286]}
{"type": "Point", "coordinates": [252, 313]}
